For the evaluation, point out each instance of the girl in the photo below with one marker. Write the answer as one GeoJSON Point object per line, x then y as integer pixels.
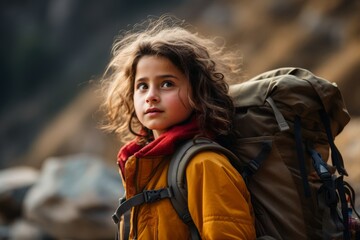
{"type": "Point", "coordinates": [165, 85]}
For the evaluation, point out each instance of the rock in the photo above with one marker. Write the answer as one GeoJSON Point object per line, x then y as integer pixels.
{"type": "Point", "coordinates": [25, 230]}
{"type": "Point", "coordinates": [15, 183]}
{"type": "Point", "coordinates": [75, 198]}
{"type": "Point", "coordinates": [4, 232]}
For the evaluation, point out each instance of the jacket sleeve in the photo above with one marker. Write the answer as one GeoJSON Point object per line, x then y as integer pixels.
{"type": "Point", "coordinates": [218, 199]}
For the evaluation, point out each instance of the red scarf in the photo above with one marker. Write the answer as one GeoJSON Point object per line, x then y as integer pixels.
{"type": "Point", "coordinates": [165, 144]}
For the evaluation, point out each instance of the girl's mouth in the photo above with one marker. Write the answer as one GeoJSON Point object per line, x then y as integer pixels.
{"type": "Point", "coordinates": [152, 110]}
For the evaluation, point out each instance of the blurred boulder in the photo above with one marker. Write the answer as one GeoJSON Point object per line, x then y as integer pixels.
{"type": "Point", "coordinates": [75, 198]}
{"type": "Point", "coordinates": [15, 183]}
{"type": "Point", "coordinates": [25, 230]}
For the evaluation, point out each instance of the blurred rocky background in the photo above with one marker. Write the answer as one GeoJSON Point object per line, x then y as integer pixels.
{"type": "Point", "coordinates": [58, 177]}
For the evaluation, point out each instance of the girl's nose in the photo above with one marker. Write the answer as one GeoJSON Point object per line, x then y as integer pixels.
{"type": "Point", "coordinates": [152, 96]}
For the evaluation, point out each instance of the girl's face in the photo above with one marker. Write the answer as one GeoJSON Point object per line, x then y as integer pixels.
{"type": "Point", "coordinates": [161, 94]}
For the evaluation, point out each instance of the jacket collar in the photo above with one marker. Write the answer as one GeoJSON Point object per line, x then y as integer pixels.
{"type": "Point", "coordinates": [164, 145]}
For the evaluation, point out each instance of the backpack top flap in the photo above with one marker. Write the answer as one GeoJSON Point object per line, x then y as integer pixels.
{"type": "Point", "coordinates": [294, 90]}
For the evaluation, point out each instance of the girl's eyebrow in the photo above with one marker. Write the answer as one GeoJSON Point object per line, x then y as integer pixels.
{"type": "Point", "coordinates": [159, 76]}
{"type": "Point", "coordinates": [167, 76]}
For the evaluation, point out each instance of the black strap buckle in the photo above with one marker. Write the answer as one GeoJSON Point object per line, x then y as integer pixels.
{"type": "Point", "coordinates": [151, 195]}
{"type": "Point", "coordinates": [320, 166]}
{"type": "Point", "coordinates": [154, 195]}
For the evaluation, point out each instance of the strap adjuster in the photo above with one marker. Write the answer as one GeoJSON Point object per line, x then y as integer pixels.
{"type": "Point", "coordinates": [187, 218]}
{"type": "Point", "coordinates": [115, 218]}
{"type": "Point", "coordinates": [154, 195]}
{"type": "Point", "coordinates": [253, 166]}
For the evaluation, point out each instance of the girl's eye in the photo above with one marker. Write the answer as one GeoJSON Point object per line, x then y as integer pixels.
{"type": "Point", "coordinates": [141, 86]}
{"type": "Point", "coordinates": [167, 84]}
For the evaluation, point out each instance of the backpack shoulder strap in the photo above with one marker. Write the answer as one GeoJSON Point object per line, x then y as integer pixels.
{"type": "Point", "coordinates": [177, 174]}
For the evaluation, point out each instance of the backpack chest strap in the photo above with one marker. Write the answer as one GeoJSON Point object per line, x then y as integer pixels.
{"type": "Point", "coordinates": [147, 196]}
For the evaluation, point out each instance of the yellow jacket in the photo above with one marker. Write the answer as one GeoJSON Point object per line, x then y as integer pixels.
{"type": "Point", "coordinates": [218, 200]}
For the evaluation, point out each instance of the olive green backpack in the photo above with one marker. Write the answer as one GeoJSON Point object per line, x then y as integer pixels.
{"type": "Point", "coordinates": [287, 119]}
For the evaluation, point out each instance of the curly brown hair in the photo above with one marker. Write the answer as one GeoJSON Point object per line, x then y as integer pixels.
{"type": "Point", "coordinates": [204, 63]}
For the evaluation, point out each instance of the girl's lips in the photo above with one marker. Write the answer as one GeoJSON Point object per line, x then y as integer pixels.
{"type": "Point", "coordinates": [153, 110]}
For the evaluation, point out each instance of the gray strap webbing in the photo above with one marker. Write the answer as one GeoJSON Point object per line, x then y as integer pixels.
{"type": "Point", "coordinates": [126, 224]}
{"type": "Point", "coordinates": [283, 125]}
{"type": "Point", "coordinates": [147, 196]}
